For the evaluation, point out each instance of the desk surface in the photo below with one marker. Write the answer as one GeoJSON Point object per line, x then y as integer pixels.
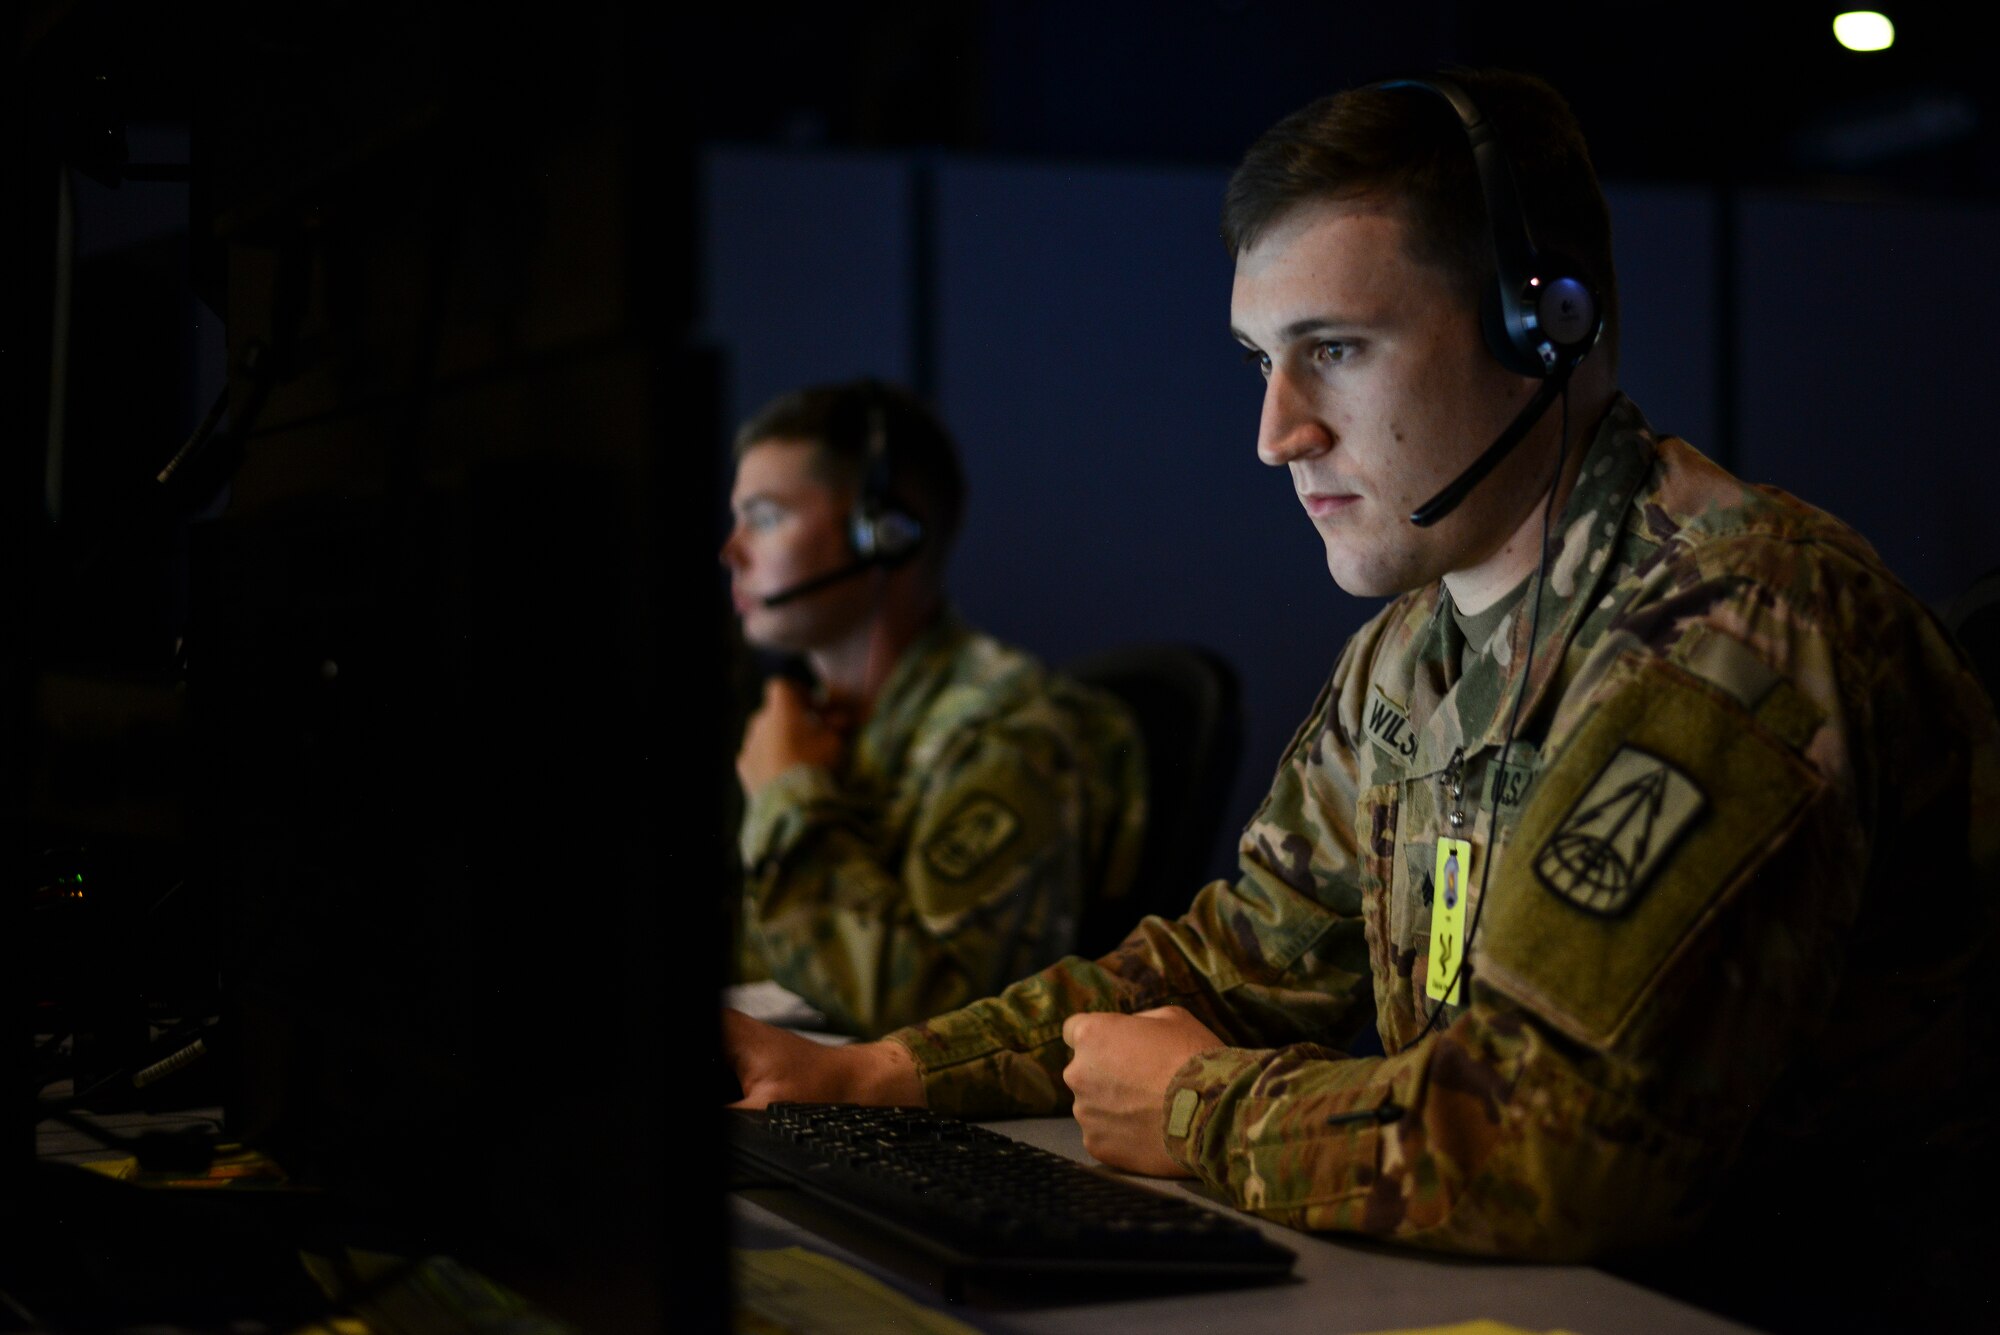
{"type": "Point", "coordinates": [1341, 1285]}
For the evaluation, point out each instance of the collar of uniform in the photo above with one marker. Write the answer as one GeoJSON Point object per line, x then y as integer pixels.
{"type": "Point", "coordinates": [1471, 711]}
{"type": "Point", "coordinates": [906, 696]}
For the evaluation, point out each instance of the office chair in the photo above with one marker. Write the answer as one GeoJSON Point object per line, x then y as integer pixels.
{"type": "Point", "coordinates": [1975, 619]}
{"type": "Point", "coordinates": [1189, 709]}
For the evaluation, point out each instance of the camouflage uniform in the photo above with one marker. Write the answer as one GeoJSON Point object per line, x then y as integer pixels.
{"type": "Point", "coordinates": [1744, 871]}
{"type": "Point", "coordinates": [982, 800]}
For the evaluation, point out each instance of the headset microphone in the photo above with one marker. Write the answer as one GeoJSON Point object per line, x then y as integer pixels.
{"type": "Point", "coordinates": [1541, 317]}
{"type": "Point", "coordinates": [818, 582]}
{"type": "Point", "coordinates": [1442, 504]}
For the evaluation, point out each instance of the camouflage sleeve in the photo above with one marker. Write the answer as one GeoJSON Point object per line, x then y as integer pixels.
{"type": "Point", "coordinates": [1277, 956]}
{"type": "Point", "coordinates": [998, 859]}
{"type": "Point", "coordinates": [1625, 1032]}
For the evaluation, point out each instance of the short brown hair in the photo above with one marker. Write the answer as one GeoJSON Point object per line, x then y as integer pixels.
{"type": "Point", "coordinates": [1410, 146]}
{"type": "Point", "coordinates": [925, 479]}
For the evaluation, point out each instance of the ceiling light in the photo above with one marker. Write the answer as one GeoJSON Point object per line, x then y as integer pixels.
{"type": "Point", "coordinates": [1864, 30]}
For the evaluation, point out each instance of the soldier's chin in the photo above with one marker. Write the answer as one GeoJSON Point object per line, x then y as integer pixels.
{"type": "Point", "coordinates": [1361, 579]}
{"type": "Point", "coordinates": [762, 630]}
{"type": "Point", "coordinates": [1379, 568]}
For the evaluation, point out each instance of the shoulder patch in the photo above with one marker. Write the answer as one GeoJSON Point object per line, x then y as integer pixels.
{"type": "Point", "coordinates": [1667, 800]}
{"type": "Point", "coordinates": [980, 827]}
{"type": "Point", "coordinates": [1619, 832]}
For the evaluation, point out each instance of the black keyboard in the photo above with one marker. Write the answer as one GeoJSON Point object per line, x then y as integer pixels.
{"type": "Point", "coordinates": [982, 1203]}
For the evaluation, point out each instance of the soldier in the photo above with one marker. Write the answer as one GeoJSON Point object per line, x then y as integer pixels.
{"type": "Point", "coordinates": [1717, 799]}
{"type": "Point", "coordinates": [921, 827]}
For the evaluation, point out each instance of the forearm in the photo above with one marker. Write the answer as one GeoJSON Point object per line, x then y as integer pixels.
{"type": "Point", "coordinates": [1486, 1139]}
{"type": "Point", "coordinates": [1004, 1056]}
{"type": "Point", "coordinates": [773, 1065]}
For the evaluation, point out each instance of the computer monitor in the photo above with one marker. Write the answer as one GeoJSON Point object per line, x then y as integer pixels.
{"type": "Point", "coordinates": [453, 787]}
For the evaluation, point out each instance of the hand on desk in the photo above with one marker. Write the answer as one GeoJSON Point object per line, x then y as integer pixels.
{"type": "Point", "coordinates": [1119, 1070]}
{"type": "Point", "coordinates": [777, 1066]}
{"type": "Point", "coordinates": [787, 730]}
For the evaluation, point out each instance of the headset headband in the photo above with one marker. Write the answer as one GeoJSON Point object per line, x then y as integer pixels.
{"type": "Point", "coordinates": [1546, 314]}
{"type": "Point", "coordinates": [881, 531]}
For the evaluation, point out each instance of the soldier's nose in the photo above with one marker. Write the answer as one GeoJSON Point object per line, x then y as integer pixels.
{"type": "Point", "coordinates": [1287, 429]}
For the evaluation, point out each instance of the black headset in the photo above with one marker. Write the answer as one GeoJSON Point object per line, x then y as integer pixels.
{"type": "Point", "coordinates": [882, 532]}
{"type": "Point", "coordinates": [1543, 313]}
{"type": "Point", "coordinates": [1541, 318]}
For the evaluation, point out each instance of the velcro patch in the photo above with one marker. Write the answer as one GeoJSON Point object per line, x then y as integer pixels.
{"type": "Point", "coordinates": [1509, 783]}
{"type": "Point", "coordinates": [1618, 833]}
{"type": "Point", "coordinates": [980, 827]}
{"type": "Point", "coordinates": [1638, 831]}
{"type": "Point", "coordinates": [1388, 727]}
{"type": "Point", "coordinates": [1722, 660]}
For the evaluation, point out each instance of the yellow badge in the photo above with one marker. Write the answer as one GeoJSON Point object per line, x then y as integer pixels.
{"type": "Point", "coordinates": [980, 827]}
{"type": "Point", "coordinates": [1619, 832]}
{"type": "Point", "coordinates": [1446, 971]}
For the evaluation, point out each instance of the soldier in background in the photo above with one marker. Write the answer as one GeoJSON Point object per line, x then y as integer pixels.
{"type": "Point", "coordinates": [922, 823]}
{"type": "Point", "coordinates": [1723, 802]}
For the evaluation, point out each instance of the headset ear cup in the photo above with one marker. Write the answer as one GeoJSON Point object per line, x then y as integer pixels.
{"type": "Point", "coordinates": [897, 537]}
{"type": "Point", "coordinates": [1493, 323]}
{"type": "Point", "coordinates": [886, 539]}
{"type": "Point", "coordinates": [1568, 311]}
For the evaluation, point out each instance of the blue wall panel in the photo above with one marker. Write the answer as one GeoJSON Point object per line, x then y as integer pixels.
{"type": "Point", "coordinates": [1110, 430]}
{"type": "Point", "coordinates": [1867, 331]}
{"type": "Point", "coordinates": [1663, 240]}
{"type": "Point", "coordinates": [806, 268]}
{"type": "Point", "coordinates": [1079, 324]}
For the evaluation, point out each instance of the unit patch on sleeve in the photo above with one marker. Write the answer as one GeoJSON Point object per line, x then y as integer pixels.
{"type": "Point", "coordinates": [980, 827]}
{"type": "Point", "coordinates": [1618, 833]}
{"type": "Point", "coordinates": [1667, 798]}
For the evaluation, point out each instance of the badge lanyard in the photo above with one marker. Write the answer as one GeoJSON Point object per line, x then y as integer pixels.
{"type": "Point", "coordinates": [1444, 980]}
{"type": "Point", "coordinates": [1448, 988]}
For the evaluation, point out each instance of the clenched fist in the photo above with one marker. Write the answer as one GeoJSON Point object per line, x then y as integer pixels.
{"type": "Point", "coordinates": [1119, 1069]}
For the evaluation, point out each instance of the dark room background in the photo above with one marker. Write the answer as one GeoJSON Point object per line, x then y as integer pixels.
{"type": "Point", "coordinates": [455, 259]}
{"type": "Point", "coordinates": [1014, 210]}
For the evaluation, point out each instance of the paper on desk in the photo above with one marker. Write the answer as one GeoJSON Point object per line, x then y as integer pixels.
{"type": "Point", "coordinates": [232, 1166]}
{"type": "Point", "coordinates": [773, 1003]}
{"type": "Point", "coordinates": [795, 1291]}
{"type": "Point", "coordinates": [394, 1296]}
{"type": "Point", "coordinates": [1480, 1327]}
